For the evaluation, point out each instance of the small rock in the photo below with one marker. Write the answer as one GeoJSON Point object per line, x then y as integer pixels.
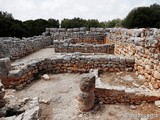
{"type": "Point", "coordinates": [80, 115]}
{"type": "Point", "coordinates": [135, 84]}
{"type": "Point", "coordinates": [132, 107]}
{"type": "Point", "coordinates": [144, 118]}
{"type": "Point", "coordinates": [157, 74]}
{"type": "Point", "coordinates": [9, 118]}
{"type": "Point", "coordinates": [111, 113]}
{"type": "Point", "coordinates": [157, 103]}
{"type": "Point", "coordinates": [141, 77]}
{"type": "Point", "coordinates": [25, 99]}
{"type": "Point", "coordinates": [46, 77]}
{"type": "Point", "coordinates": [19, 117]}
{"type": "Point", "coordinates": [128, 78]}
{"type": "Point", "coordinates": [119, 73]}
{"type": "Point", "coordinates": [98, 117]}
{"type": "Point", "coordinates": [150, 86]}
{"type": "Point", "coordinates": [44, 101]}
{"type": "Point", "coordinates": [100, 102]}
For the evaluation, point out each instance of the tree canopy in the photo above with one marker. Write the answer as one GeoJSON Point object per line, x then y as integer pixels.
{"type": "Point", "coordinates": [139, 17]}
{"type": "Point", "coordinates": [11, 27]}
{"type": "Point", "coordinates": [79, 22]}
{"type": "Point", "coordinates": [143, 17]}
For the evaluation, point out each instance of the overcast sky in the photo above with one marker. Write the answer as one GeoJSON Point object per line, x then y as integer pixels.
{"type": "Point", "coordinates": [102, 10]}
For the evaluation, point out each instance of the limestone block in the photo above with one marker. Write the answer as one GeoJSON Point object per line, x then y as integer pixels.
{"type": "Point", "coordinates": [5, 65]}
{"type": "Point", "coordinates": [86, 101]}
{"type": "Point", "coordinates": [76, 29]}
{"type": "Point", "coordinates": [157, 74]}
{"type": "Point", "coordinates": [87, 83]}
{"type": "Point", "coordinates": [14, 75]}
{"type": "Point", "coordinates": [2, 93]}
{"type": "Point", "coordinates": [2, 103]}
{"type": "Point", "coordinates": [151, 42]}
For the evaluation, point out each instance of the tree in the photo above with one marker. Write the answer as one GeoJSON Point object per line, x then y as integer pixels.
{"type": "Point", "coordinates": [5, 15]}
{"type": "Point", "coordinates": [53, 23]}
{"type": "Point", "coordinates": [143, 17]}
{"type": "Point", "coordinates": [113, 23]}
{"type": "Point", "coordinates": [92, 23]}
{"type": "Point", "coordinates": [73, 23]}
{"type": "Point", "coordinates": [11, 27]}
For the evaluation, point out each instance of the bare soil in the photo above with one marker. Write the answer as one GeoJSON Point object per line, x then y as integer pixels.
{"type": "Point", "coordinates": [43, 53]}
{"type": "Point", "coordinates": [127, 79]}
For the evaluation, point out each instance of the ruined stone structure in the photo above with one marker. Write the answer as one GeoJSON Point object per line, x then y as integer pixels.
{"type": "Point", "coordinates": [72, 63]}
{"type": "Point", "coordinates": [2, 101]}
{"type": "Point", "coordinates": [141, 44]}
{"type": "Point", "coordinates": [144, 46]}
{"type": "Point", "coordinates": [61, 47]}
{"type": "Point", "coordinates": [108, 50]}
{"type": "Point", "coordinates": [16, 48]}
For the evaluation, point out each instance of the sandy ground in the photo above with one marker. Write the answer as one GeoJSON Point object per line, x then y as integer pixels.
{"type": "Point", "coordinates": [43, 53]}
{"type": "Point", "coordinates": [61, 92]}
{"type": "Point", "coordinates": [127, 79]}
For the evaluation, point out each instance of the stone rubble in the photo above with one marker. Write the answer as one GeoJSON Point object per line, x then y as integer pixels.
{"type": "Point", "coordinates": [29, 110]}
{"type": "Point", "coordinates": [2, 100]}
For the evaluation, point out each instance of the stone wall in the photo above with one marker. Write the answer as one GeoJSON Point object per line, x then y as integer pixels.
{"type": "Point", "coordinates": [2, 100]}
{"type": "Point", "coordinates": [144, 46]}
{"type": "Point", "coordinates": [141, 44]}
{"type": "Point", "coordinates": [78, 37]}
{"type": "Point", "coordinates": [71, 63]}
{"type": "Point", "coordinates": [128, 96]}
{"type": "Point", "coordinates": [16, 48]}
{"type": "Point", "coordinates": [67, 46]}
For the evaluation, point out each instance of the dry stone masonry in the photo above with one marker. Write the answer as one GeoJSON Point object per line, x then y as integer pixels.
{"type": "Point", "coordinates": [17, 77]}
{"type": "Point", "coordinates": [63, 46]}
{"type": "Point", "coordinates": [86, 97]}
{"type": "Point", "coordinates": [144, 46]}
{"type": "Point", "coordinates": [16, 48]}
{"type": "Point", "coordinates": [2, 100]}
{"type": "Point", "coordinates": [108, 50]}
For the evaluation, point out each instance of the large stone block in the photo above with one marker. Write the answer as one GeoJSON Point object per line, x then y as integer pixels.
{"type": "Point", "coordinates": [157, 75]}
{"type": "Point", "coordinates": [87, 83]}
{"type": "Point", "coordinates": [5, 65]}
{"type": "Point", "coordinates": [2, 103]}
{"type": "Point", "coordinates": [86, 101]}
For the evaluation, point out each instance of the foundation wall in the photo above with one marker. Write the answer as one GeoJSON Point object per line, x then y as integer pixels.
{"type": "Point", "coordinates": [66, 64]}
{"type": "Point", "coordinates": [114, 96]}
{"type": "Point", "coordinates": [16, 48]}
{"type": "Point", "coordinates": [144, 46]}
{"type": "Point", "coordinates": [67, 47]}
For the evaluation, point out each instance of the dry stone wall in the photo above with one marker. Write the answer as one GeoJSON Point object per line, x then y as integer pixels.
{"type": "Point", "coordinates": [78, 37]}
{"type": "Point", "coordinates": [66, 46]}
{"type": "Point", "coordinates": [128, 96]}
{"type": "Point", "coordinates": [16, 48]}
{"type": "Point", "coordinates": [144, 46]}
{"type": "Point", "coordinates": [141, 44]}
{"type": "Point", "coordinates": [71, 63]}
{"type": "Point", "coordinates": [2, 101]}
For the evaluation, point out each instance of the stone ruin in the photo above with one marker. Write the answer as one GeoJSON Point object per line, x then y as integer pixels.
{"type": "Point", "coordinates": [107, 50]}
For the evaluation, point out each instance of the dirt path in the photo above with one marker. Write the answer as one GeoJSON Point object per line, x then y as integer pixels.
{"type": "Point", "coordinates": [43, 53]}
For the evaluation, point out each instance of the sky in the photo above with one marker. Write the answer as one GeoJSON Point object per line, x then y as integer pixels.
{"type": "Point", "coordinates": [103, 10]}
